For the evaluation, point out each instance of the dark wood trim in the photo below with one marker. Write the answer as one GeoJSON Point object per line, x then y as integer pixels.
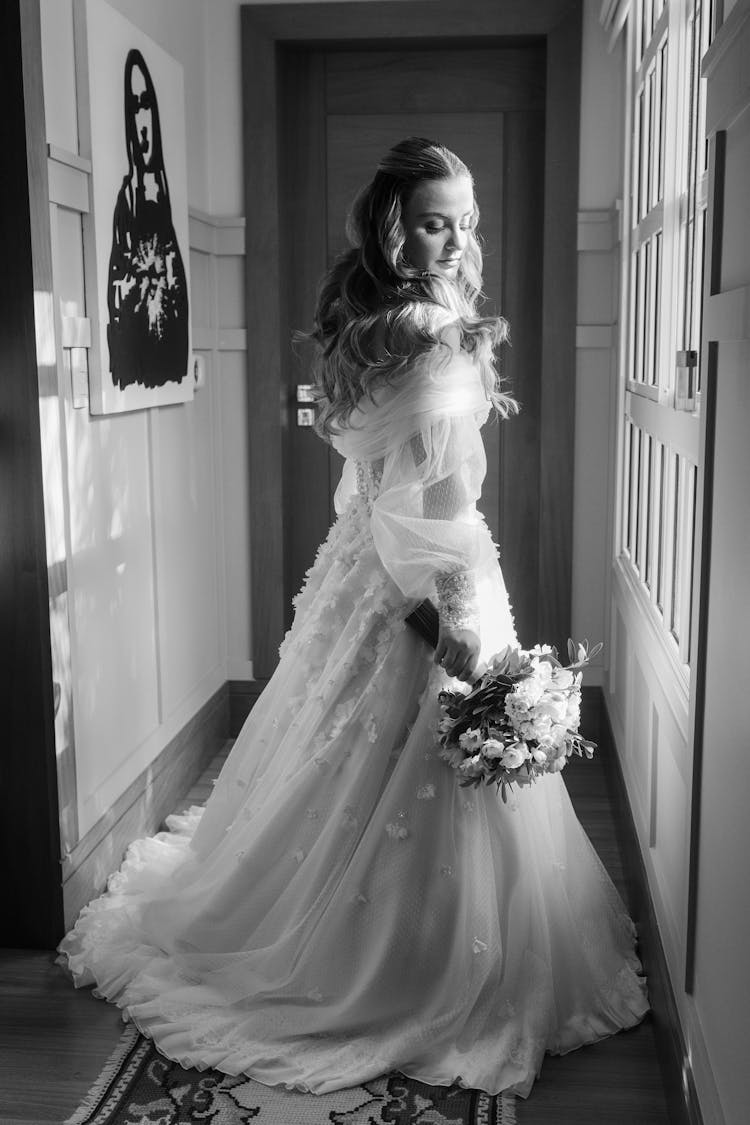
{"type": "Point", "coordinates": [715, 225]}
{"type": "Point", "coordinates": [559, 305]}
{"type": "Point", "coordinates": [265, 388]}
{"type": "Point", "coordinates": [455, 23]}
{"type": "Point", "coordinates": [141, 809]}
{"type": "Point", "coordinates": [699, 680]}
{"type": "Point", "coordinates": [463, 22]}
{"type": "Point", "coordinates": [679, 1086]}
{"type": "Point", "coordinates": [243, 695]}
{"type": "Point", "coordinates": [29, 826]}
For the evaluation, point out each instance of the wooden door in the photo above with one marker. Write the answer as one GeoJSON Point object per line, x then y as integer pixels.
{"type": "Point", "coordinates": [340, 111]}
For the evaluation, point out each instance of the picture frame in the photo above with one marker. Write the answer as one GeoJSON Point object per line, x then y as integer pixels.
{"type": "Point", "coordinates": [131, 121]}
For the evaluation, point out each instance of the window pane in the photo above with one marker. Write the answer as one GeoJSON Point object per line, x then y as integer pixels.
{"type": "Point", "coordinates": [644, 506]}
{"type": "Point", "coordinates": [635, 488]}
{"type": "Point", "coordinates": [660, 524]}
{"type": "Point", "coordinates": [645, 150]}
{"type": "Point", "coordinates": [625, 512]}
{"type": "Point", "coordinates": [676, 557]}
{"type": "Point", "coordinates": [637, 162]}
{"type": "Point", "coordinates": [655, 310]}
{"type": "Point", "coordinates": [662, 72]}
{"type": "Point", "coordinates": [643, 343]}
{"type": "Point", "coordinates": [651, 154]}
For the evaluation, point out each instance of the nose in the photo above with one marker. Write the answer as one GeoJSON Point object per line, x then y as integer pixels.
{"type": "Point", "coordinates": [458, 237]}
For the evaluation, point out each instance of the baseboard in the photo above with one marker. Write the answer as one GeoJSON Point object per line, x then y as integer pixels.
{"type": "Point", "coordinates": [242, 697]}
{"type": "Point", "coordinates": [679, 1087]}
{"type": "Point", "coordinates": [141, 809]}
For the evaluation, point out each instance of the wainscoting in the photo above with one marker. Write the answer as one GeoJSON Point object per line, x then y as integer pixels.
{"type": "Point", "coordinates": [142, 808]}
{"type": "Point", "coordinates": [684, 1108]}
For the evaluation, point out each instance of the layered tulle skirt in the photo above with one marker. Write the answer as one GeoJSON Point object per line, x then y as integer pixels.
{"type": "Point", "coordinates": [342, 907]}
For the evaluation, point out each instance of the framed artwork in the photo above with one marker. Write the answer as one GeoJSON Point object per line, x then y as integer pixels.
{"type": "Point", "coordinates": [131, 123]}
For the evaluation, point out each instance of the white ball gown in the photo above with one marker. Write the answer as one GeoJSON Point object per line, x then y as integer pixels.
{"type": "Point", "coordinates": [342, 908]}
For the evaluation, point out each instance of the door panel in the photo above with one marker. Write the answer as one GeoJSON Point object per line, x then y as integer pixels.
{"type": "Point", "coordinates": [485, 105]}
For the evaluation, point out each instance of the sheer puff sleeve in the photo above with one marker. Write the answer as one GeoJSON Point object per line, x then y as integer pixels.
{"type": "Point", "coordinates": [425, 434]}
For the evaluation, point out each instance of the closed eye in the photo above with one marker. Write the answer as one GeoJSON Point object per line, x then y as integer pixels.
{"type": "Point", "coordinates": [439, 230]}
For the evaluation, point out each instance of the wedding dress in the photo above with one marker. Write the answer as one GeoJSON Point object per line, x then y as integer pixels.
{"type": "Point", "coordinates": [342, 907]}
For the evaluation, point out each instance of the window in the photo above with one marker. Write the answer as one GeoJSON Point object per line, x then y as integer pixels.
{"type": "Point", "coordinates": [665, 219]}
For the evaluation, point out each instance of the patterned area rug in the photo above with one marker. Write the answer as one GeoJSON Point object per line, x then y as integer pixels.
{"type": "Point", "coordinates": [140, 1087]}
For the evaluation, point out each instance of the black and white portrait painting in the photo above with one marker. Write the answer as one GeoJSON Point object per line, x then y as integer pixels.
{"type": "Point", "coordinates": [136, 232]}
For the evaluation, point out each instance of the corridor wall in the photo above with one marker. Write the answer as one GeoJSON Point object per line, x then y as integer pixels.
{"type": "Point", "coordinates": [134, 513]}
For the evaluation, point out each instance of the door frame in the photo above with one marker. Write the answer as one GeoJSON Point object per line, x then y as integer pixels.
{"type": "Point", "coordinates": [265, 30]}
{"type": "Point", "coordinates": [29, 814]}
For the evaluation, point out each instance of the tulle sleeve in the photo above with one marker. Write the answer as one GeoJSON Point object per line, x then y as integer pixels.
{"type": "Point", "coordinates": [423, 436]}
{"type": "Point", "coordinates": [424, 523]}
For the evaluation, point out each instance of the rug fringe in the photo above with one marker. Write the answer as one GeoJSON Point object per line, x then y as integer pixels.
{"type": "Point", "coordinates": [127, 1041]}
{"type": "Point", "coordinates": [507, 1110]}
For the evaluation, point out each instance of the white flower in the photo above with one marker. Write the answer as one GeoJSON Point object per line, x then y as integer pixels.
{"type": "Point", "coordinates": [539, 755]}
{"type": "Point", "coordinates": [540, 650]}
{"type": "Point", "coordinates": [541, 671]}
{"type": "Point", "coordinates": [493, 749]}
{"type": "Point", "coordinates": [472, 767]}
{"type": "Point", "coordinates": [559, 735]}
{"type": "Point", "coordinates": [426, 792]}
{"type": "Point", "coordinates": [536, 729]}
{"type": "Point", "coordinates": [563, 678]}
{"type": "Point", "coordinates": [515, 756]}
{"type": "Point", "coordinates": [573, 713]}
{"type": "Point", "coordinates": [470, 740]}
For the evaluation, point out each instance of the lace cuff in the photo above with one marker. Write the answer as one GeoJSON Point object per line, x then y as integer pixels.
{"type": "Point", "coordinates": [457, 600]}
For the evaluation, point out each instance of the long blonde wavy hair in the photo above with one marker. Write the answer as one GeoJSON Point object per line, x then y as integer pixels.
{"type": "Point", "coordinates": [376, 313]}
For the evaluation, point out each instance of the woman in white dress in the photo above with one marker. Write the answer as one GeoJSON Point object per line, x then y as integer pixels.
{"type": "Point", "coordinates": [342, 907]}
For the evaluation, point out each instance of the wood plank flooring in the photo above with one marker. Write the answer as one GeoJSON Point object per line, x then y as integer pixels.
{"type": "Point", "coordinates": [54, 1040]}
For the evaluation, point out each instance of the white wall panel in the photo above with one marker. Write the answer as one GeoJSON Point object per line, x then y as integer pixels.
{"type": "Point", "coordinates": [59, 73]}
{"type": "Point", "coordinates": [639, 743]}
{"type": "Point", "coordinates": [230, 272]}
{"type": "Point", "coordinates": [142, 538]}
{"type": "Point", "coordinates": [670, 852]}
{"type": "Point", "coordinates": [111, 580]}
{"type": "Point", "coordinates": [186, 563]}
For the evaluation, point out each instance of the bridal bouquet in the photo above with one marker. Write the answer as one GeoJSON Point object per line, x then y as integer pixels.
{"type": "Point", "coordinates": [520, 719]}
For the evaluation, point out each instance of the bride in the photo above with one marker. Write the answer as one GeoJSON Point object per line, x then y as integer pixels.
{"type": "Point", "coordinates": [341, 907]}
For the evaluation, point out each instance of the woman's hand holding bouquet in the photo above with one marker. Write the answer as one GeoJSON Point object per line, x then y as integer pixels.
{"type": "Point", "coordinates": [520, 719]}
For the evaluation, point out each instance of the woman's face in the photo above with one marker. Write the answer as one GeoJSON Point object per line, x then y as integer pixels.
{"type": "Point", "coordinates": [437, 221]}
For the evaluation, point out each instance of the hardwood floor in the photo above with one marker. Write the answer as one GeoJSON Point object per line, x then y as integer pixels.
{"type": "Point", "coordinates": [55, 1040]}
